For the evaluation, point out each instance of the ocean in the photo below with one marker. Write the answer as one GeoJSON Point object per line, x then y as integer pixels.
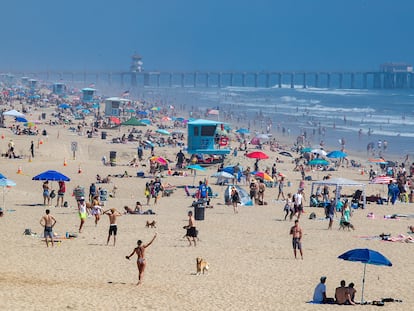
{"type": "Point", "coordinates": [357, 117]}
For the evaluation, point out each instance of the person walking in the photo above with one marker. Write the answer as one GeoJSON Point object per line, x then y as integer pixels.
{"type": "Point", "coordinates": [141, 260]}
{"type": "Point", "coordinates": [296, 232]}
{"type": "Point", "coordinates": [32, 149]}
{"type": "Point", "coordinates": [191, 229]}
{"type": "Point", "coordinates": [48, 222]}
{"type": "Point", "coordinates": [82, 212]}
{"type": "Point", "coordinates": [235, 199]}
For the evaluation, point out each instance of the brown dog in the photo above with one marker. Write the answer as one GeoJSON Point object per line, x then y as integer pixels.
{"type": "Point", "coordinates": [151, 224]}
{"type": "Point", "coordinates": [202, 265]}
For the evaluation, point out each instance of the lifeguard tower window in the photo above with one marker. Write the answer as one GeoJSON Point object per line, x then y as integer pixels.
{"type": "Point", "coordinates": [195, 131]}
{"type": "Point", "coordinates": [115, 105]}
{"type": "Point", "coordinates": [208, 130]}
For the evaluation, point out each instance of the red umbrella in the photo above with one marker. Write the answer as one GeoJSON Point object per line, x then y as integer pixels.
{"type": "Point", "coordinates": [257, 155]}
{"type": "Point", "coordinates": [115, 120]}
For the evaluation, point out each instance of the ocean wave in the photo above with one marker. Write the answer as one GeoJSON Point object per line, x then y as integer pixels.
{"type": "Point", "coordinates": [341, 92]}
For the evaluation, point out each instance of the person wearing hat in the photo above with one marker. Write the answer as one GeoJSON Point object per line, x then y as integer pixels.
{"type": "Point", "coordinates": [319, 295]}
{"type": "Point", "coordinates": [82, 212]}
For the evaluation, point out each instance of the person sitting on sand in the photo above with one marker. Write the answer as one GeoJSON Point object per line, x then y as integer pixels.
{"type": "Point", "coordinates": [352, 291]}
{"type": "Point", "coordinates": [411, 229]}
{"type": "Point", "coordinates": [342, 295]}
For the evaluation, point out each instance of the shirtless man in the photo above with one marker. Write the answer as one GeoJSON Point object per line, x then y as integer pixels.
{"type": "Point", "coordinates": [191, 229]}
{"type": "Point", "coordinates": [113, 229]}
{"type": "Point", "coordinates": [141, 262]}
{"type": "Point", "coordinates": [296, 233]}
{"type": "Point", "coordinates": [262, 188]}
{"type": "Point", "coordinates": [342, 295]}
{"type": "Point", "coordinates": [48, 221]}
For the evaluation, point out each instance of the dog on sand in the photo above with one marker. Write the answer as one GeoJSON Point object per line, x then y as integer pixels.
{"type": "Point", "coordinates": [345, 224]}
{"type": "Point", "coordinates": [202, 265]}
{"type": "Point", "coordinates": [151, 224]}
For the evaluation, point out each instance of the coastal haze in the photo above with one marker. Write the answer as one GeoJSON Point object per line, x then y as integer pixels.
{"type": "Point", "coordinates": [250, 253]}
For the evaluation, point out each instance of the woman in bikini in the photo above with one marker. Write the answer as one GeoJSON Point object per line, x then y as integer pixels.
{"type": "Point", "coordinates": [141, 262]}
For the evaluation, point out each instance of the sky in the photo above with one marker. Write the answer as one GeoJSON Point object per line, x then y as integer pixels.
{"type": "Point", "coordinates": [205, 35]}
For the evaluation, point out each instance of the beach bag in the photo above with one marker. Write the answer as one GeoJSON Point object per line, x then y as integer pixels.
{"type": "Point", "coordinates": [312, 215]}
{"type": "Point", "coordinates": [52, 194]}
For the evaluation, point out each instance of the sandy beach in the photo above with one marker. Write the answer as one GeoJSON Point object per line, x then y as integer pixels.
{"type": "Point", "coordinates": [250, 253]}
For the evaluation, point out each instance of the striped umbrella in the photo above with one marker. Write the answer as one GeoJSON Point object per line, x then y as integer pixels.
{"type": "Point", "coordinates": [382, 180]}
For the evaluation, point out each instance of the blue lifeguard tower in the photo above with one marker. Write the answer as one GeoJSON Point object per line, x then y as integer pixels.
{"type": "Point", "coordinates": [203, 136]}
{"type": "Point", "coordinates": [32, 84]}
{"type": "Point", "coordinates": [59, 88]}
{"type": "Point", "coordinates": [87, 95]}
{"type": "Point", "coordinates": [25, 81]}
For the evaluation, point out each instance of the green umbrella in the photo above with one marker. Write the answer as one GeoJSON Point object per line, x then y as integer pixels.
{"type": "Point", "coordinates": [318, 162]}
{"type": "Point", "coordinates": [133, 122]}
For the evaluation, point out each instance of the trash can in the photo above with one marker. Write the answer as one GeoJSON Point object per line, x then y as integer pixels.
{"type": "Point", "coordinates": [199, 211]}
{"type": "Point", "coordinates": [103, 135]}
{"type": "Point", "coordinates": [43, 115]}
{"type": "Point", "coordinates": [112, 158]}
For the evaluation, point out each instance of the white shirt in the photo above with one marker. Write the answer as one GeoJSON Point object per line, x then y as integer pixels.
{"type": "Point", "coordinates": [298, 198]}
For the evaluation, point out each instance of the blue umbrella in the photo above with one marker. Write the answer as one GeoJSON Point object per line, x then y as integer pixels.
{"type": "Point", "coordinates": [366, 256]}
{"type": "Point", "coordinates": [4, 182]}
{"type": "Point", "coordinates": [95, 106]}
{"type": "Point", "coordinates": [163, 132]}
{"type": "Point", "coordinates": [51, 175]}
{"type": "Point", "coordinates": [337, 154]}
{"type": "Point", "coordinates": [64, 106]}
{"type": "Point", "coordinates": [243, 131]}
{"type": "Point", "coordinates": [142, 113]}
{"type": "Point", "coordinates": [146, 121]}
{"type": "Point", "coordinates": [21, 119]}
{"type": "Point", "coordinates": [2, 176]}
{"type": "Point", "coordinates": [196, 167]}
{"type": "Point", "coordinates": [318, 162]}
{"type": "Point", "coordinates": [86, 111]}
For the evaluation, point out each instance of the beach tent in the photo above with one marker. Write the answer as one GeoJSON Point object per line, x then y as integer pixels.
{"type": "Point", "coordinates": [339, 183]}
{"type": "Point", "coordinates": [133, 122]}
{"type": "Point", "coordinates": [244, 196]}
{"type": "Point", "coordinates": [13, 113]}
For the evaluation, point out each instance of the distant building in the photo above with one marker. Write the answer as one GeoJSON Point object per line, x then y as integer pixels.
{"type": "Point", "coordinates": [396, 67]}
{"type": "Point", "coordinates": [136, 65]}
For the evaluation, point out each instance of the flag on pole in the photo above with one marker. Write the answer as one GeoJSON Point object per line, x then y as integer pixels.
{"type": "Point", "coordinates": [125, 94]}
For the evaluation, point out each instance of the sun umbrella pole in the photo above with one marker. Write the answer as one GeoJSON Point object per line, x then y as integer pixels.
{"type": "Point", "coordinates": [363, 285]}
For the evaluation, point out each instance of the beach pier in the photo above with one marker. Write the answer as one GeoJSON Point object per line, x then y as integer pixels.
{"type": "Point", "coordinates": [390, 76]}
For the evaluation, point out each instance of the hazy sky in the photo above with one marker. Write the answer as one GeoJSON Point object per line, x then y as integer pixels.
{"type": "Point", "coordinates": [205, 34]}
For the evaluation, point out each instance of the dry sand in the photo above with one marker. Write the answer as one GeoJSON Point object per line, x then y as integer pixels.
{"type": "Point", "coordinates": [250, 254]}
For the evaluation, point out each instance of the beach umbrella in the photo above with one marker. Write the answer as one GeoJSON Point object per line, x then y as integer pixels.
{"type": "Point", "coordinates": [223, 174]}
{"type": "Point", "coordinates": [318, 162]}
{"type": "Point", "coordinates": [13, 113]}
{"type": "Point", "coordinates": [377, 161]}
{"type": "Point", "coordinates": [263, 176]}
{"type": "Point", "coordinates": [155, 108]}
{"type": "Point", "coordinates": [160, 160]}
{"type": "Point", "coordinates": [179, 119]}
{"type": "Point", "coordinates": [86, 111]}
{"type": "Point", "coordinates": [2, 176]}
{"type": "Point", "coordinates": [95, 106]}
{"type": "Point", "coordinates": [163, 132]}
{"type": "Point", "coordinates": [64, 106]}
{"type": "Point", "coordinates": [257, 155]}
{"type": "Point", "coordinates": [146, 121]}
{"type": "Point", "coordinates": [4, 182]}
{"type": "Point", "coordinates": [196, 167]}
{"type": "Point", "coordinates": [243, 131]}
{"type": "Point", "coordinates": [366, 256]}
{"type": "Point", "coordinates": [165, 119]}
{"type": "Point", "coordinates": [319, 151]}
{"type": "Point", "coordinates": [142, 112]}
{"type": "Point", "coordinates": [307, 149]}
{"type": "Point", "coordinates": [115, 120]}
{"type": "Point", "coordinates": [337, 154]}
{"type": "Point", "coordinates": [52, 176]}
{"type": "Point", "coordinates": [21, 119]}
{"type": "Point", "coordinates": [382, 180]}
{"type": "Point", "coordinates": [149, 143]}
{"type": "Point", "coordinates": [286, 154]}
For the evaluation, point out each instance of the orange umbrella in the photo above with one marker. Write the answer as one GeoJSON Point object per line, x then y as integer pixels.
{"type": "Point", "coordinates": [263, 176]}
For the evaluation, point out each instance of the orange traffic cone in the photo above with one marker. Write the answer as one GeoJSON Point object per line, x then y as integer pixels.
{"type": "Point", "coordinates": [79, 170]}
{"type": "Point", "coordinates": [19, 170]}
{"type": "Point", "coordinates": [64, 162]}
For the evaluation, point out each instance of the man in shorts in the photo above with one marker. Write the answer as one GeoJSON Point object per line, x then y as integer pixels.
{"type": "Point", "coordinates": [48, 222]}
{"type": "Point", "coordinates": [113, 229]}
{"type": "Point", "coordinates": [191, 229]}
{"type": "Point", "coordinates": [296, 232]}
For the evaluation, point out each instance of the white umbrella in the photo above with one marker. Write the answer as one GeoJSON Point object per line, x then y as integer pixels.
{"type": "Point", "coordinates": [13, 113]}
{"type": "Point", "coordinates": [319, 151]}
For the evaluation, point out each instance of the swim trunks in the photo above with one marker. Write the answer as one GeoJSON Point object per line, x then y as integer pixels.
{"type": "Point", "coordinates": [113, 229]}
{"type": "Point", "coordinates": [296, 243]}
{"type": "Point", "coordinates": [192, 232]}
{"type": "Point", "coordinates": [48, 232]}
{"type": "Point", "coordinates": [83, 215]}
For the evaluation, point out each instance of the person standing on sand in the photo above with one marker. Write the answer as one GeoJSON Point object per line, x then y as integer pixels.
{"type": "Point", "coordinates": [46, 194]}
{"type": "Point", "coordinates": [82, 212]}
{"type": "Point", "coordinates": [191, 229]}
{"type": "Point", "coordinates": [48, 222]}
{"type": "Point", "coordinates": [141, 261]}
{"type": "Point", "coordinates": [32, 149]}
{"type": "Point", "coordinates": [296, 232]}
{"type": "Point", "coordinates": [113, 229]}
{"type": "Point", "coordinates": [61, 193]}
